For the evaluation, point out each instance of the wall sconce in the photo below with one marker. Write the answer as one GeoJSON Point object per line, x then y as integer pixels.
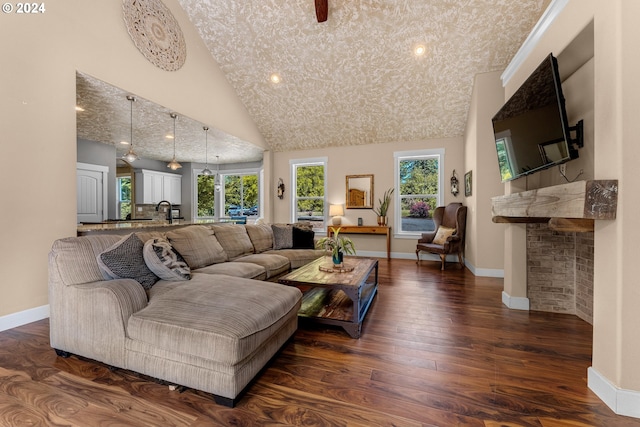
{"type": "Point", "coordinates": [280, 188]}
{"type": "Point", "coordinates": [336, 211]}
{"type": "Point", "coordinates": [454, 184]}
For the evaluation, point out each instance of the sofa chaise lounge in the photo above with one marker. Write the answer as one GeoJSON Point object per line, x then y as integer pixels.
{"type": "Point", "coordinates": [184, 306]}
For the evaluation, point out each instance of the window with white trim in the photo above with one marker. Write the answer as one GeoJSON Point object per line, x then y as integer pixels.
{"type": "Point", "coordinates": [309, 192]}
{"type": "Point", "coordinates": [223, 195]}
{"type": "Point", "coordinates": [419, 177]}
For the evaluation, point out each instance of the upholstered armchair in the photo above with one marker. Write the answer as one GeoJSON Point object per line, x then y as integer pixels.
{"type": "Point", "coordinates": [448, 236]}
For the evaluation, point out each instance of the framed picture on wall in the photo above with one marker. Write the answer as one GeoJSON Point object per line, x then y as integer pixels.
{"type": "Point", "coordinates": [467, 184]}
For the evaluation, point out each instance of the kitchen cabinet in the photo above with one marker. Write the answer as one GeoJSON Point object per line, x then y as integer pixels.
{"type": "Point", "coordinates": [154, 186]}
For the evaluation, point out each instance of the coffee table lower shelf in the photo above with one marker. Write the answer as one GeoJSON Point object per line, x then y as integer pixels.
{"type": "Point", "coordinates": [336, 300]}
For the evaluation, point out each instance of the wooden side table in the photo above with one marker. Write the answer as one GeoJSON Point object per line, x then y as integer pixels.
{"type": "Point", "coordinates": [364, 229]}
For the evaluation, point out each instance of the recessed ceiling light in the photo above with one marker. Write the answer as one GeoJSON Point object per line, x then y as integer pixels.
{"type": "Point", "coordinates": [419, 50]}
{"type": "Point", "coordinates": [169, 136]}
{"type": "Point", "coordinates": [78, 108]}
{"type": "Point", "coordinates": [124, 142]}
{"type": "Point", "coordinates": [275, 78]}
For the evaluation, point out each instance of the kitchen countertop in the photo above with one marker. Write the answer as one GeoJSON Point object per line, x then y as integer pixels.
{"type": "Point", "coordinates": [125, 227]}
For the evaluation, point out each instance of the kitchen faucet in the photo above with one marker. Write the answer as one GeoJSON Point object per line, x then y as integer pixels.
{"type": "Point", "coordinates": [169, 213]}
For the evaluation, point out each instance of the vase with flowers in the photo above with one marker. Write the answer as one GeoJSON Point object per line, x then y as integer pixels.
{"type": "Point", "coordinates": [337, 245]}
{"type": "Point", "coordinates": [383, 207]}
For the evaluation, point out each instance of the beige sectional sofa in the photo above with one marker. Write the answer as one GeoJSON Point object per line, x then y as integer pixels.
{"type": "Point", "coordinates": [195, 306]}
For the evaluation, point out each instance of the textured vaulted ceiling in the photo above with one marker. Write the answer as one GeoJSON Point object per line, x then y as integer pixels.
{"type": "Point", "coordinates": [354, 79]}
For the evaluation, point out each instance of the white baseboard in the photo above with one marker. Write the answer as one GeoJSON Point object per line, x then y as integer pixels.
{"type": "Point", "coordinates": [515, 303]}
{"type": "Point", "coordinates": [484, 272]}
{"type": "Point", "coordinates": [622, 402]}
{"type": "Point", "coordinates": [20, 318]}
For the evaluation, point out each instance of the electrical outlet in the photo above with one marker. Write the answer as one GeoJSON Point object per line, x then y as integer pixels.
{"type": "Point", "coordinates": [563, 169]}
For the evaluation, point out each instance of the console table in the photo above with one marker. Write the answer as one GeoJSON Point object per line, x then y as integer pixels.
{"type": "Point", "coordinates": [365, 229]}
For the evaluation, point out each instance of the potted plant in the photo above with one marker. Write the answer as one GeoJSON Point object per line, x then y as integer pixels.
{"type": "Point", "coordinates": [337, 245]}
{"type": "Point", "coordinates": [384, 207]}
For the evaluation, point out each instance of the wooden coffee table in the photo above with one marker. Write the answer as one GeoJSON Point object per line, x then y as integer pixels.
{"type": "Point", "coordinates": [336, 298]}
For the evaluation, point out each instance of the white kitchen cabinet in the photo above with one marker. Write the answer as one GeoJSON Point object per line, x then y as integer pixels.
{"type": "Point", "coordinates": [172, 187]}
{"type": "Point", "coordinates": [154, 186]}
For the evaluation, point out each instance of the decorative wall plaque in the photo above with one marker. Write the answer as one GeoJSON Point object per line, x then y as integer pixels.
{"type": "Point", "coordinates": [155, 32]}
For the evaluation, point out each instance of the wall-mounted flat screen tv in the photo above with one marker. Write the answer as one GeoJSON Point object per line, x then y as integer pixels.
{"type": "Point", "coordinates": [531, 129]}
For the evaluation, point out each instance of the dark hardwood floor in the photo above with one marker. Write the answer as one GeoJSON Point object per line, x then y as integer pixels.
{"type": "Point", "coordinates": [437, 348]}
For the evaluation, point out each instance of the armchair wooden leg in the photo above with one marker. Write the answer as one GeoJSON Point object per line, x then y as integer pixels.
{"type": "Point", "coordinates": [461, 259]}
{"type": "Point", "coordinates": [418, 256]}
{"type": "Point", "coordinates": [442, 258]}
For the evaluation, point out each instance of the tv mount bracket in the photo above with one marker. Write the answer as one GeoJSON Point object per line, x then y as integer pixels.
{"type": "Point", "coordinates": [579, 139]}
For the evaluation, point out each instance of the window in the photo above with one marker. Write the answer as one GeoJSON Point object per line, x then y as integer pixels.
{"type": "Point", "coordinates": [124, 197]}
{"type": "Point", "coordinates": [206, 196]}
{"type": "Point", "coordinates": [238, 195]}
{"type": "Point", "coordinates": [308, 194]}
{"type": "Point", "coordinates": [419, 178]}
{"type": "Point", "coordinates": [241, 195]}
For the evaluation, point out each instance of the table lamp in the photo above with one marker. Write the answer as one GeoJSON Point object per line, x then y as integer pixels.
{"type": "Point", "coordinates": [336, 212]}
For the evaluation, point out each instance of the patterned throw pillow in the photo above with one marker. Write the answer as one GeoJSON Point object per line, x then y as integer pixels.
{"type": "Point", "coordinates": [165, 261]}
{"type": "Point", "coordinates": [124, 260]}
{"type": "Point", "coordinates": [442, 235]}
{"type": "Point", "coordinates": [282, 236]}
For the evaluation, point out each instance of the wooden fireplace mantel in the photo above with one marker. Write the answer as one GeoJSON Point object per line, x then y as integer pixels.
{"type": "Point", "coordinates": [567, 207]}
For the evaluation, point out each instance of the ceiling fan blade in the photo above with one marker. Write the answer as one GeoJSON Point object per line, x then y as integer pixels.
{"type": "Point", "coordinates": [322, 10]}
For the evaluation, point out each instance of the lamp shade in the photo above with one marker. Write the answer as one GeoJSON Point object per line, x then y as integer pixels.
{"type": "Point", "coordinates": [336, 210]}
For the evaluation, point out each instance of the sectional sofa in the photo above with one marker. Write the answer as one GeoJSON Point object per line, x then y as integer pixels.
{"type": "Point", "coordinates": [195, 306]}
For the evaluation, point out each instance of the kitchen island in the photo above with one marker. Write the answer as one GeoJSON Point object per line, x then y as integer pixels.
{"type": "Point", "coordinates": [126, 227]}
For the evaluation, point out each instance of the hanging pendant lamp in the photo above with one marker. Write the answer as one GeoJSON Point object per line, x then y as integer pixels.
{"type": "Point", "coordinates": [206, 170]}
{"type": "Point", "coordinates": [131, 155]}
{"type": "Point", "coordinates": [216, 181]}
{"type": "Point", "coordinates": [173, 164]}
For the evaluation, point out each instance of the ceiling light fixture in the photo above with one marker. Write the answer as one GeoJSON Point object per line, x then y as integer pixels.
{"type": "Point", "coordinates": [206, 170]}
{"type": "Point", "coordinates": [131, 155]}
{"type": "Point", "coordinates": [78, 108]}
{"type": "Point", "coordinates": [419, 50]}
{"type": "Point", "coordinates": [275, 78]}
{"type": "Point", "coordinates": [173, 164]}
{"type": "Point", "coordinates": [216, 181]}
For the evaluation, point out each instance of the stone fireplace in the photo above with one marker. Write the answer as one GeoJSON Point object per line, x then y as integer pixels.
{"type": "Point", "coordinates": [560, 240]}
{"type": "Point", "coordinates": [560, 271]}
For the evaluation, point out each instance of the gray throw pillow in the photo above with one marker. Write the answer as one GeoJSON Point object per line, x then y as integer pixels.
{"type": "Point", "coordinates": [282, 236]}
{"type": "Point", "coordinates": [164, 261]}
{"type": "Point", "coordinates": [124, 260]}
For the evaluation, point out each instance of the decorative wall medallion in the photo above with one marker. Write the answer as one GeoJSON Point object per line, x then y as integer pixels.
{"type": "Point", "coordinates": [155, 32]}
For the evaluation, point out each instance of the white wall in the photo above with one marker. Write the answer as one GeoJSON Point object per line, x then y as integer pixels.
{"type": "Point", "coordinates": [376, 159]}
{"type": "Point", "coordinates": [484, 252]}
{"type": "Point", "coordinates": [40, 55]}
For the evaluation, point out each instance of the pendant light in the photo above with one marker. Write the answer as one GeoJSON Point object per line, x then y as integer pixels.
{"type": "Point", "coordinates": [216, 181]}
{"type": "Point", "coordinates": [206, 170]}
{"type": "Point", "coordinates": [131, 155]}
{"type": "Point", "coordinates": [173, 164]}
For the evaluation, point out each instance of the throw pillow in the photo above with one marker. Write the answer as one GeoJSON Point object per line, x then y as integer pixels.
{"type": "Point", "coordinates": [234, 239]}
{"type": "Point", "coordinates": [442, 235]}
{"type": "Point", "coordinates": [302, 238]}
{"type": "Point", "coordinates": [282, 236]}
{"type": "Point", "coordinates": [124, 260]}
{"type": "Point", "coordinates": [261, 236]}
{"type": "Point", "coordinates": [197, 245]}
{"type": "Point", "coordinates": [164, 261]}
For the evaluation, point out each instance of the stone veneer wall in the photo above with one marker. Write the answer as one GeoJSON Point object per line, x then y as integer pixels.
{"type": "Point", "coordinates": [560, 271]}
{"type": "Point", "coordinates": [584, 276]}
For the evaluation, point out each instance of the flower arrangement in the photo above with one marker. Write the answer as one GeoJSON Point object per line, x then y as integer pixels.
{"type": "Point", "coordinates": [419, 210]}
{"type": "Point", "coordinates": [337, 245]}
{"type": "Point", "coordinates": [384, 203]}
